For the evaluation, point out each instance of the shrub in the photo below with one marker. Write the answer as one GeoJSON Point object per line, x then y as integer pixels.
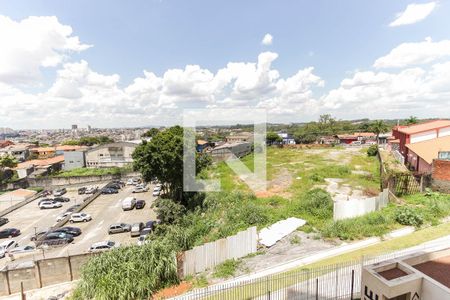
{"type": "Point", "coordinates": [168, 211]}
{"type": "Point", "coordinates": [408, 216]}
{"type": "Point", "coordinates": [315, 177]}
{"type": "Point", "coordinates": [226, 269]}
{"type": "Point", "coordinates": [372, 150]}
{"type": "Point", "coordinates": [317, 202]}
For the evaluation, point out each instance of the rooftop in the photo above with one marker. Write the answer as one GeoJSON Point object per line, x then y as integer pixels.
{"type": "Point", "coordinates": [428, 150]}
{"type": "Point", "coordinates": [436, 124]}
{"type": "Point", "coordinates": [438, 269]}
{"type": "Point", "coordinates": [41, 162]}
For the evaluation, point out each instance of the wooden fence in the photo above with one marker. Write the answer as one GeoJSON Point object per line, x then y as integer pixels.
{"type": "Point", "coordinates": [212, 254]}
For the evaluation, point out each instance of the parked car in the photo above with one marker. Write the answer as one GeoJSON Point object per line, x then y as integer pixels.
{"type": "Point", "coordinates": [355, 143]}
{"type": "Point", "coordinates": [143, 237]}
{"type": "Point", "coordinates": [81, 191]}
{"type": "Point", "coordinates": [44, 200]}
{"type": "Point", "coordinates": [9, 233]}
{"type": "Point", "coordinates": [63, 216]}
{"type": "Point", "coordinates": [128, 203]}
{"type": "Point", "coordinates": [102, 246]}
{"type": "Point", "coordinates": [150, 224]}
{"type": "Point", "coordinates": [109, 190]}
{"type": "Point", "coordinates": [61, 199]}
{"type": "Point", "coordinates": [59, 192]}
{"type": "Point", "coordinates": [80, 217]}
{"type": "Point", "coordinates": [140, 190]}
{"type": "Point", "coordinates": [73, 208]}
{"type": "Point", "coordinates": [156, 193]}
{"type": "Point", "coordinates": [118, 228]}
{"type": "Point", "coordinates": [74, 231]}
{"type": "Point", "coordinates": [114, 186]}
{"type": "Point", "coordinates": [130, 182]}
{"type": "Point", "coordinates": [140, 204]}
{"type": "Point", "coordinates": [49, 204]}
{"type": "Point", "coordinates": [136, 229]}
{"type": "Point", "coordinates": [3, 221]}
{"type": "Point", "coordinates": [370, 142]}
{"type": "Point", "coordinates": [38, 235]}
{"type": "Point", "coordinates": [119, 182]}
{"type": "Point", "coordinates": [22, 249]}
{"type": "Point", "coordinates": [90, 190]}
{"type": "Point", "coordinates": [54, 238]}
{"type": "Point", "coordinates": [6, 246]}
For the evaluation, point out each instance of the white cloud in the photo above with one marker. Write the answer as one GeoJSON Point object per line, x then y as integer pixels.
{"type": "Point", "coordinates": [31, 44]}
{"type": "Point", "coordinates": [408, 54]}
{"type": "Point", "coordinates": [413, 14]}
{"type": "Point", "coordinates": [267, 39]}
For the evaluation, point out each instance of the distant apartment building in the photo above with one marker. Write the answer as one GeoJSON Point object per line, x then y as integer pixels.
{"type": "Point", "coordinates": [422, 275]}
{"type": "Point", "coordinates": [242, 137]}
{"type": "Point", "coordinates": [227, 151]}
{"type": "Point", "coordinates": [110, 155]}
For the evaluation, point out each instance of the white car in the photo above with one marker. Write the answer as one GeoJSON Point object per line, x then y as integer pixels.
{"type": "Point", "coordinates": [142, 239]}
{"type": "Point", "coordinates": [130, 182]}
{"type": "Point", "coordinates": [49, 204]}
{"type": "Point", "coordinates": [6, 246]}
{"type": "Point", "coordinates": [102, 246]}
{"type": "Point", "coordinates": [90, 190]}
{"type": "Point", "coordinates": [22, 249]}
{"type": "Point", "coordinates": [63, 216]}
{"type": "Point", "coordinates": [156, 190]}
{"type": "Point", "coordinates": [80, 217]}
{"type": "Point", "coordinates": [140, 189]}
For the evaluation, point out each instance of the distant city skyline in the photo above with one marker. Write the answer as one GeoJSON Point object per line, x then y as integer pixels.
{"type": "Point", "coordinates": [122, 64]}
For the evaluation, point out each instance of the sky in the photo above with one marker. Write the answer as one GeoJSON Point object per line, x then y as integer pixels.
{"type": "Point", "coordinates": [143, 62]}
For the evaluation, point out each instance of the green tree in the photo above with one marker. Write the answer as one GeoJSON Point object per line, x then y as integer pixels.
{"type": "Point", "coordinates": [162, 158]}
{"type": "Point", "coordinates": [151, 132]}
{"type": "Point", "coordinates": [411, 120]}
{"type": "Point", "coordinates": [8, 161]}
{"type": "Point", "coordinates": [378, 127]}
{"type": "Point", "coordinates": [272, 138]}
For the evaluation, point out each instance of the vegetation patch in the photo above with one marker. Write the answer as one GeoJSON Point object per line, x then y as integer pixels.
{"type": "Point", "coordinates": [93, 172]}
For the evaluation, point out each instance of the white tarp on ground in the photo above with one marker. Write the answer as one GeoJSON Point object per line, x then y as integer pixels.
{"type": "Point", "coordinates": [269, 236]}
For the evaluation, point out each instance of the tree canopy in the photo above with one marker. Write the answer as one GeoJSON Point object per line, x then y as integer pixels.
{"type": "Point", "coordinates": [162, 158]}
{"type": "Point", "coordinates": [89, 141]}
{"type": "Point", "coordinates": [272, 138]}
{"type": "Point", "coordinates": [151, 132]}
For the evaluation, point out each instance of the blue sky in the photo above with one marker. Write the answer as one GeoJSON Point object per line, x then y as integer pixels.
{"type": "Point", "coordinates": [337, 38]}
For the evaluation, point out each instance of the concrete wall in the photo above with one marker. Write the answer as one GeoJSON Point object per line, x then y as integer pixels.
{"type": "Point", "coordinates": [74, 159]}
{"type": "Point", "coordinates": [42, 273]}
{"type": "Point", "coordinates": [358, 207]}
{"type": "Point", "coordinates": [212, 254]}
{"type": "Point", "coordinates": [423, 136]}
{"type": "Point", "coordinates": [50, 182]}
{"type": "Point", "coordinates": [444, 132]}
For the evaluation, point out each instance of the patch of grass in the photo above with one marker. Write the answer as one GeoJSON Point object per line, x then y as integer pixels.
{"type": "Point", "coordinates": [295, 240]}
{"type": "Point", "coordinates": [227, 269]}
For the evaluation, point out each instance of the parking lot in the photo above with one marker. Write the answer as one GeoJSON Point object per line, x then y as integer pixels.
{"type": "Point", "coordinates": [105, 210]}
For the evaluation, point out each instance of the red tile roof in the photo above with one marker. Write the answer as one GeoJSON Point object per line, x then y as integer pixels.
{"type": "Point", "coordinates": [41, 162]}
{"type": "Point", "coordinates": [436, 124]}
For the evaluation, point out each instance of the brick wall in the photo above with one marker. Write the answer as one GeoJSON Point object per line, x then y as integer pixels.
{"type": "Point", "coordinates": [441, 175]}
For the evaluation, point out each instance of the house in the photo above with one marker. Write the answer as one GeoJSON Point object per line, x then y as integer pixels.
{"type": "Point", "coordinates": [421, 154]}
{"type": "Point", "coordinates": [19, 151]}
{"type": "Point", "coordinates": [288, 139]}
{"type": "Point", "coordinates": [227, 151]}
{"type": "Point", "coordinates": [421, 275]}
{"type": "Point", "coordinates": [202, 145]}
{"type": "Point", "coordinates": [110, 155]}
{"type": "Point", "coordinates": [41, 166]}
{"type": "Point", "coordinates": [240, 138]}
{"type": "Point", "coordinates": [419, 133]}
{"type": "Point", "coordinates": [357, 136]}
{"type": "Point", "coordinates": [47, 152]}
{"type": "Point", "coordinates": [5, 143]}
{"type": "Point", "coordinates": [328, 140]}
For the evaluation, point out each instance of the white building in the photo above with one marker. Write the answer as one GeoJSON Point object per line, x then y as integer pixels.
{"type": "Point", "coordinates": [110, 155]}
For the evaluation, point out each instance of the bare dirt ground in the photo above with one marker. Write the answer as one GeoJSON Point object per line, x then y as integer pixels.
{"type": "Point", "coordinates": [278, 185]}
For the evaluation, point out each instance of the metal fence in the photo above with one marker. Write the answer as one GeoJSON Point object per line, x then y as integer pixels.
{"type": "Point", "coordinates": [337, 281]}
{"type": "Point", "coordinates": [404, 184]}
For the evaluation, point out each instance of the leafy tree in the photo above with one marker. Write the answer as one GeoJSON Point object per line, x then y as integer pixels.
{"type": "Point", "coordinates": [162, 158]}
{"type": "Point", "coordinates": [151, 132]}
{"type": "Point", "coordinates": [379, 127]}
{"type": "Point", "coordinates": [272, 138]}
{"type": "Point", "coordinates": [411, 120]}
{"type": "Point", "coordinates": [90, 141]}
{"type": "Point", "coordinates": [8, 161]}
{"type": "Point", "coordinates": [168, 211]}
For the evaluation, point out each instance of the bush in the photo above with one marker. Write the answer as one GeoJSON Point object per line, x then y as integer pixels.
{"type": "Point", "coordinates": [372, 150]}
{"type": "Point", "coordinates": [317, 202]}
{"type": "Point", "coordinates": [408, 216]}
{"type": "Point", "coordinates": [168, 211]}
{"type": "Point", "coordinates": [226, 269]}
{"type": "Point", "coordinates": [315, 177]}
